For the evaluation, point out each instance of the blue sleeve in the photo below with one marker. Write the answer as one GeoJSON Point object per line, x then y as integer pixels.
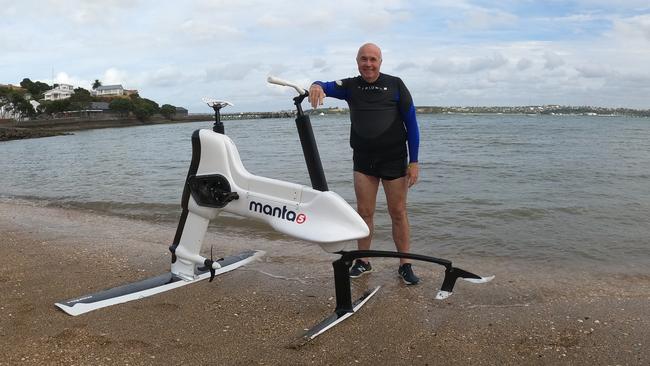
{"type": "Point", "coordinates": [334, 90]}
{"type": "Point", "coordinates": [407, 110]}
{"type": "Point", "coordinates": [412, 134]}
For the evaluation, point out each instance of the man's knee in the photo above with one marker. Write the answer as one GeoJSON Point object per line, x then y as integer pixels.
{"type": "Point", "coordinates": [397, 213]}
{"type": "Point", "coordinates": [366, 213]}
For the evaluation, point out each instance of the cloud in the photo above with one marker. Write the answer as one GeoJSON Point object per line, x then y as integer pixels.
{"type": "Point", "coordinates": [402, 66]}
{"type": "Point", "coordinates": [486, 63]}
{"type": "Point", "coordinates": [92, 12]}
{"type": "Point", "coordinates": [468, 51]}
{"type": "Point", "coordinates": [278, 69]}
{"type": "Point", "coordinates": [273, 21]}
{"type": "Point", "coordinates": [231, 71]}
{"type": "Point", "coordinates": [319, 63]}
{"type": "Point", "coordinates": [552, 60]}
{"type": "Point", "coordinates": [114, 76]}
{"type": "Point", "coordinates": [8, 9]}
{"type": "Point", "coordinates": [524, 64]}
{"type": "Point", "coordinates": [619, 4]}
{"type": "Point", "coordinates": [632, 28]}
{"type": "Point", "coordinates": [379, 19]}
{"type": "Point", "coordinates": [64, 78]}
{"type": "Point", "coordinates": [166, 76]}
{"type": "Point", "coordinates": [634, 80]}
{"type": "Point", "coordinates": [483, 19]}
{"type": "Point", "coordinates": [295, 19]}
{"type": "Point", "coordinates": [202, 31]}
{"type": "Point", "coordinates": [468, 65]}
{"type": "Point", "coordinates": [593, 71]}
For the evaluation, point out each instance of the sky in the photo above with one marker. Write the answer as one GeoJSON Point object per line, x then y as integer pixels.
{"type": "Point", "coordinates": [448, 52]}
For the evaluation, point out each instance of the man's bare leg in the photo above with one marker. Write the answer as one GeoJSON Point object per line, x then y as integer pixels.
{"type": "Point", "coordinates": [396, 191]}
{"type": "Point", "coordinates": [365, 189]}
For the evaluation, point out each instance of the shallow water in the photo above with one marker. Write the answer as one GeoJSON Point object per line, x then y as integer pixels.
{"type": "Point", "coordinates": [558, 189]}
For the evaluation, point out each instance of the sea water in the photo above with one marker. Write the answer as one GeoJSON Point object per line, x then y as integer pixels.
{"type": "Point", "coordinates": [562, 189]}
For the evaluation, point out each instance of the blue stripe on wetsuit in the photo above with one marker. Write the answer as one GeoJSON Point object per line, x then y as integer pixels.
{"type": "Point", "coordinates": [331, 89]}
{"type": "Point", "coordinates": [412, 133]}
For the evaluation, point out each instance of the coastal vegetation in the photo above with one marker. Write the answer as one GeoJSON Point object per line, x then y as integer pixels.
{"type": "Point", "coordinates": [27, 101]}
{"type": "Point", "coordinates": [12, 100]}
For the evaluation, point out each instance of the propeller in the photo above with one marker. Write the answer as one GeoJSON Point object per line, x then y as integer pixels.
{"type": "Point", "coordinates": [209, 265]}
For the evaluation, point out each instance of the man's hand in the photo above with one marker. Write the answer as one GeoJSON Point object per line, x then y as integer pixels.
{"type": "Point", "coordinates": [316, 95]}
{"type": "Point", "coordinates": [412, 173]}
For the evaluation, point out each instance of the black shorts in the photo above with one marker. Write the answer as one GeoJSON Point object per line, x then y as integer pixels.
{"type": "Point", "coordinates": [387, 168]}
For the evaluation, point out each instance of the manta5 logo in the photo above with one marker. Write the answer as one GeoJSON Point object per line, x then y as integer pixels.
{"type": "Point", "coordinates": [281, 213]}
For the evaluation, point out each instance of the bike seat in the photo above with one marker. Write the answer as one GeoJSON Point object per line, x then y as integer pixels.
{"type": "Point", "coordinates": [215, 103]}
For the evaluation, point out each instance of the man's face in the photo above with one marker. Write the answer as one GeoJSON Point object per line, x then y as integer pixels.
{"type": "Point", "coordinates": [369, 62]}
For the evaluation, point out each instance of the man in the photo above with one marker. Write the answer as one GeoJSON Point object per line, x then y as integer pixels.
{"type": "Point", "coordinates": [382, 118]}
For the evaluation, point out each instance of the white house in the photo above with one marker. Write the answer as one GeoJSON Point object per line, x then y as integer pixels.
{"type": "Point", "coordinates": [108, 90]}
{"type": "Point", "coordinates": [61, 91]}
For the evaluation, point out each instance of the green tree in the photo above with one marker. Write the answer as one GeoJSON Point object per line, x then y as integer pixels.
{"type": "Point", "coordinates": [14, 101]}
{"type": "Point", "coordinates": [97, 84]}
{"type": "Point", "coordinates": [53, 107]}
{"type": "Point", "coordinates": [4, 97]}
{"type": "Point", "coordinates": [23, 106]}
{"type": "Point", "coordinates": [168, 111]}
{"type": "Point", "coordinates": [153, 105]}
{"type": "Point", "coordinates": [81, 99]}
{"type": "Point", "coordinates": [36, 89]}
{"type": "Point", "coordinates": [122, 106]}
{"type": "Point", "coordinates": [144, 108]}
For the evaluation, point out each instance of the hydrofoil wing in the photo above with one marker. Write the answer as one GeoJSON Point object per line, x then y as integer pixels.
{"type": "Point", "coordinates": [149, 286]}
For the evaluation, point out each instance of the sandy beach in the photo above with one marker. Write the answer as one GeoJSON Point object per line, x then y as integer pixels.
{"type": "Point", "coordinates": [529, 315]}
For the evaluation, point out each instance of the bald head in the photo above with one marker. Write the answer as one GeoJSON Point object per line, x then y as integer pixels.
{"type": "Point", "coordinates": [369, 48]}
{"type": "Point", "coordinates": [369, 62]}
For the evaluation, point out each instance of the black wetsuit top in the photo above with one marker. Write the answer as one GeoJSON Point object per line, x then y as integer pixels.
{"type": "Point", "coordinates": [382, 115]}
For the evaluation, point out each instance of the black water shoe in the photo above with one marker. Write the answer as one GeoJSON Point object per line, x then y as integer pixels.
{"type": "Point", "coordinates": [360, 268]}
{"type": "Point", "coordinates": [406, 272]}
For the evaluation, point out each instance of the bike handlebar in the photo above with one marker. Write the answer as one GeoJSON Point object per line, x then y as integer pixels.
{"type": "Point", "coordinates": [278, 81]}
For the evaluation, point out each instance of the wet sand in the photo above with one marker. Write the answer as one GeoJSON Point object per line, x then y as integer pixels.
{"type": "Point", "coordinates": [529, 315]}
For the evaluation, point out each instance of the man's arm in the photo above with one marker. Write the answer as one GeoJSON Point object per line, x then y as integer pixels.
{"type": "Point", "coordinates": [407, 111]}
{"type": "Point", "coordinates": [319, 90]}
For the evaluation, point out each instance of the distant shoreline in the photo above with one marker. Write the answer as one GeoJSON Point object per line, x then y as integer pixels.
{"type": "Point", "coordinates": [55, 127]}
{"type": "Point", "coordinates": [12, 130]}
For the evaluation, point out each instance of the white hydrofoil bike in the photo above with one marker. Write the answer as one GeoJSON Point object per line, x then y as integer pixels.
{"type": "Point", "coordinates": [217, 181]}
